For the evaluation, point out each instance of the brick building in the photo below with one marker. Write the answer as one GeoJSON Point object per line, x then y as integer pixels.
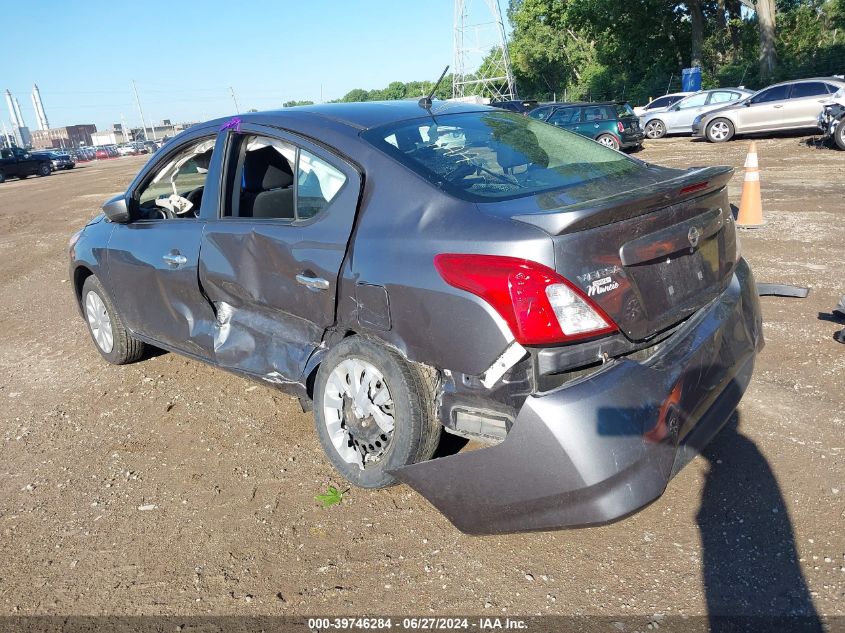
{"type": "Point", "coordinates": [63, 137]}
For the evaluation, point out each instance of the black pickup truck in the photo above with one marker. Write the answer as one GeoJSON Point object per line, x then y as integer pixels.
{"type": "Point", "coordinates": [18, 162]}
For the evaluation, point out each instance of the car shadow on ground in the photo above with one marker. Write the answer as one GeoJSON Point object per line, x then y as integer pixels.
{"type": "Point", "coordinates": [752, 576]}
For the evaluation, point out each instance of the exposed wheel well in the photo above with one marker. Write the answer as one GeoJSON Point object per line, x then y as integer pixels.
{"type": "Point", "coordinates": [79, 276]}
{"type": "Point", "coordinates": [312, 377]}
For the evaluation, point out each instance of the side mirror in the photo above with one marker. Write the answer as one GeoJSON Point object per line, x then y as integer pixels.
{"type": "Point", "coordinates": [117, 210]}
{"type": "Point", "coordinates": [27, 156]}
{"type": "Point", "coordinates": [675, 108]}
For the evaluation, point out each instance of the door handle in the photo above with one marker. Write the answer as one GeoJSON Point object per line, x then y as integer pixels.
{"type": "Point", "coordinates": [313, 283]}
{"type": "Point", "coordinates": [175, 259]}
{"type": "Point", "coordinates": [778, 106]}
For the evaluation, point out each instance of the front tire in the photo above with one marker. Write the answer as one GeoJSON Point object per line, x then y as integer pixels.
{"type": "Point", "coordinates": [608, 140]}
{"type": "Point", "coordinates": [44, 170]}
{"type": "Point", "coordinates": [110, 336]}
{"type": "Point", "coordinates": [719, 131]}
{"type": "Point", "coordinates": [655, 129]}
{"type": "Point", "coordinates": [839, 134]}
{"type": "Point", "coordinates": [374, 412]}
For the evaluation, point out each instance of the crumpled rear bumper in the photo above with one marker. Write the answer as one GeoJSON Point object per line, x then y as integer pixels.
{"type": "Point", "coordinates": [594, 451]}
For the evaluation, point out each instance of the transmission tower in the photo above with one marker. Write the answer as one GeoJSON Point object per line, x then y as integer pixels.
{"type": "Point", "coordinates": [477, 42]}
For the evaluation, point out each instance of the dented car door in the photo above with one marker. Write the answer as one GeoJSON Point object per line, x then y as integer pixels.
{"type": "Point", "coordinates": [152, 260]}
{"type": "Point", "coordinates": [270, 262]}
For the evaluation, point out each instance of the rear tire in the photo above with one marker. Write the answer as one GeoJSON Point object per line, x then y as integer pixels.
{"type": "Point", "coordinates": [405, 393]}
{"type": "Point", "coordinates": [101, 315]}
{"type": "Point", "coordinates": [655, 129]}
{"type": "Point", "coordinates": [2, 177]}
{"type": "Point", "coordinates": [719, 130]}
{"type": "Point", "coordinates": [839, 134]}
{"type": "Point", "coordinates": [608, 140]}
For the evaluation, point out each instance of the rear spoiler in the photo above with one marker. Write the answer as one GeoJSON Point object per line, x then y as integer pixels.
{"type": "Point", "coordinates": [629, 204]}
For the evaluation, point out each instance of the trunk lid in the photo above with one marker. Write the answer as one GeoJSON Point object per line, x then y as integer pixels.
{"type": "Point", "coordinates": [630, 124]}
{"type": "Point", "coordinates": [650, 255]}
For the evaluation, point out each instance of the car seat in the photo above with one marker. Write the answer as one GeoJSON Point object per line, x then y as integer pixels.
{"type": "Point", "coordinates": [267, 190]}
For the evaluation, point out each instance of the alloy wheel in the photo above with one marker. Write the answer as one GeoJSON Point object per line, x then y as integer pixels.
{"type": "Point", "coordinates": [358, 411]}
{"type": "Point", "coordinates": [99, 322]}
{"type": "Point", "coordinates": [608, 141]}
{"type": "Point", "coordinates": [719, 131]}
{"type": "Point", "coordinates": [655, 129]}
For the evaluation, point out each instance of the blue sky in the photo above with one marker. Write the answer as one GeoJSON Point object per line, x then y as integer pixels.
{"type": "Point", "coordinates": [185, 55]}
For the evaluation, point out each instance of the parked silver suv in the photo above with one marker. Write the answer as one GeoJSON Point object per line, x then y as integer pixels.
{"type": "Point", "coordinates": [790, 105]}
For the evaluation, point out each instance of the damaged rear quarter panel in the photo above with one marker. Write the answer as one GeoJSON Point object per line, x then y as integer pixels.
{"type": "Point", "coordinates": [403, 223]}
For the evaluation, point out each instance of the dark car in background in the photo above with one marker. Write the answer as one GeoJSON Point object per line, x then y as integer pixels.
{"type": "Point", "coordinates": [59, 159]}
{"type": "Point", "coordinates": [612, 124]}
{"type": "Point", "coordinates": [522, 106]}
{"type": "Point", "coordinates": [20, 163]}
{"type": "Point", "coordinates": [405, 270]}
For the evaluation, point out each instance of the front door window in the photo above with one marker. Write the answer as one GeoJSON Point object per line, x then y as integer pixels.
{"type": "Point", "coordinates": [175, 189]}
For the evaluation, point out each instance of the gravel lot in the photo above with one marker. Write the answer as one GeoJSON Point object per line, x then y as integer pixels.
{"type": "Point", "coordinates": [169, 487]}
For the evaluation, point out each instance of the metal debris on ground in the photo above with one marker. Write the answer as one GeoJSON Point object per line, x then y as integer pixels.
{"type": "Point", "coordinates": [782, 290]}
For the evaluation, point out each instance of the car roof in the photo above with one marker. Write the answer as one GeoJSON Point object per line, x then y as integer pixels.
{"type": "Point", "coordinates": [369, 114]}
{"type": "Point", "coordinates": [837, 80]}
{"type": "Point", "coordinates": [578, 104]}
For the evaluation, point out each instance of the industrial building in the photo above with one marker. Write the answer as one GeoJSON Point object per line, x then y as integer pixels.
{"type": "Point", "coordinates": [64, 137]}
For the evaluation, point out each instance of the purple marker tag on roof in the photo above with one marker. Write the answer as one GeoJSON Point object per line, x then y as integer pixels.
{"type": "Point", "coordinates": [234, 124]}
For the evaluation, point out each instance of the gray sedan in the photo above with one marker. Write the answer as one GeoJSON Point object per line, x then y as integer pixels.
{"type": "Point", "coordinates": [678, 118]}
{"type": "Point", "coordinates": [790, 105]}
{"type": "Point", "coordinates": [406, 269]}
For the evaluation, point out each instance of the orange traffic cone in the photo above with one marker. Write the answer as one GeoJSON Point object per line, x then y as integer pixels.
{"type": "Point", "coordinates": [750, 204]}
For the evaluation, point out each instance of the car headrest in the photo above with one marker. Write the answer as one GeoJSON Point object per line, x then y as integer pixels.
{"type": "Point", "coordinates": [520, 148]}
{"type": "Point", "coordinates": [265, 169]}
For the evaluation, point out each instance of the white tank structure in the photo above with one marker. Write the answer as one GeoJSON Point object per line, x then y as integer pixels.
{"type": "Point", "coordinates": [13, 113]}
{"type": "Point", "coordinates": [18, 112]}
{"type": "Point", "coordinates": [38, 105]}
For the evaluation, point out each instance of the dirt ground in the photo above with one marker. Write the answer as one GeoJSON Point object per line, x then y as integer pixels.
{"type": "Point", "coordinates": [755, 525]}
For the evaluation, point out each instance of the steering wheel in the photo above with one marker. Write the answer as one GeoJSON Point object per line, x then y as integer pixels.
{"type": "Point", "coordinates": [195, 198]}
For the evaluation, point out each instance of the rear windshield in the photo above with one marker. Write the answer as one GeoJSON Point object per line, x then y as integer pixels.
{"type": "Point", "coordinates": [623, 109]}
{"type": "Point", "coordinates": [482, 156]}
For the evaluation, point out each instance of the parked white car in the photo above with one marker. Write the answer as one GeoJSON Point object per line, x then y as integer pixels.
{"type": "Point", "coordinates": [790, 105]}
{"type": "Point", "coordinates": [678, 118]}
{"type": "Point", "coordinates": [660, 103]}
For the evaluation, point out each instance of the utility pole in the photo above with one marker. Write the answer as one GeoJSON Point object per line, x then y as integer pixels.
{"type": "Point", "coordinates": [123, 129]}
{"type": "Point", "coordinates": [141, 112]}
{"type": "Point", "coordinates": [235, 99]}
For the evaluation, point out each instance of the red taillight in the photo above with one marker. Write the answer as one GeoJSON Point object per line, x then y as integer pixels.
{"type": "Point", "coordinates": [539, 305]}
{"type": "Point", "coordinates": [693, 188]}
{"type": "Point", "coordinates": [620, 127]}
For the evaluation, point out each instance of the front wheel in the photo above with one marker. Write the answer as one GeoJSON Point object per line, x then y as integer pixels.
{"type": "Point", "coordinates": [608, 140]}
{"type": "Point", "coordinates": [719, 130]}
{"type": "Point", "coordinates": [839, 134]}
{"type": "Point", "coordinates": [374, 412]}
{"type": "Point", "coordinates": [110, 336]}
{"type": "Point", "coordinates": [44, 170]}
{"type": "Point", "coordinates": [655, 129]}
